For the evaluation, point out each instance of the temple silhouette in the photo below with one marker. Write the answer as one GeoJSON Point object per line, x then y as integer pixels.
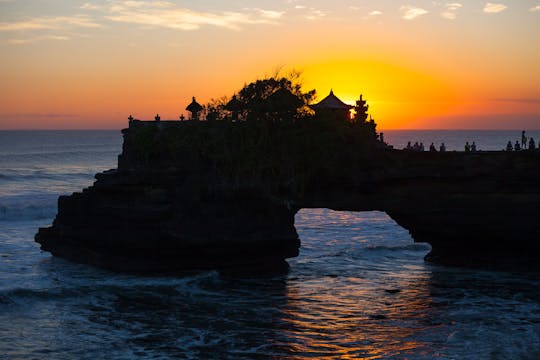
{"type": "Point", "coordinates": [330, 107]}
{"type": "Point", "coordinates": [333, 106]}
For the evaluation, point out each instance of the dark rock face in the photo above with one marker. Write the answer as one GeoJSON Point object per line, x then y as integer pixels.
{"type": "Point", "coordinates": [474, 209]}
{"type": "Point", "coordinates": [164, 214]}
{"type": "Point", "coordinates": [133, 221]}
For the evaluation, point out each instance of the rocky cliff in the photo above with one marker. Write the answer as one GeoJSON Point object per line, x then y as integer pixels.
{"type": "Point", "coordinates": [205, 195]}
{"type": "Point", "coordinates": [474, 209]}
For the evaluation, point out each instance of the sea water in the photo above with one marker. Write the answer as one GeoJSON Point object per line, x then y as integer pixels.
{"type": "Point", "coordinates": [359, 289]}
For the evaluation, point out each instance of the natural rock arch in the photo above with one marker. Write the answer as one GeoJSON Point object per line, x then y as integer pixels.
{"type": "Point", "coordinates": [166, 210]}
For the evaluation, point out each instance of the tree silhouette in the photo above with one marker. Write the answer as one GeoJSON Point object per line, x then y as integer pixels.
{"type": "Point", "coordinates": [274, 96]}
{"type": "Point", "coordinates": [216, 108]}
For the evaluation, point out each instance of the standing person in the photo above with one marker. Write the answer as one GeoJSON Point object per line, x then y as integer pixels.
{"type": "Point", "coordinates": [523, 140]}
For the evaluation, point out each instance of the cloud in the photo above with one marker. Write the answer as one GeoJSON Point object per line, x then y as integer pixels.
{"type": "Point", "coordinates": [491, 8]}
{"type": "Point", "coordinates": [270, 14]}
{"type": "Point", "coordinates": [37, 38]}
{"type": "Point", "coordinates": [535, 8]}
{"type": "Point", "coordinates": [450, 11]}
{"type": "Point", "coordinates": [315, 14]}
{"type": "Point", "coordinates": [375, 13]}
{"type": "Point", "coordinates": [311, 13]}
{"type": "Point", "coordinates": [166, 14]}
{"type": "Point", "coordinates": [411, 12]}
{"type": "Point", "coordinates": [88, 6]}
{"type": "Point", "coordinates": [44, 115]}
{"type": "Point", "coordinates": [49, 23]}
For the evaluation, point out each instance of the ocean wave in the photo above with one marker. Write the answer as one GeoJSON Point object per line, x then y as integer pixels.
{"type": "Point", "coordinates": [30, 175]}
{"type": "Point", "coordinates": [5, 300]}
{"type": "Point", "coordinates": [408, 247]}
{"type": "Point", "coordinates": [58, 153]}
{"type": "Point", "coordinates": [28, 207]}
{"type": "Point", "coordinates": [13, 295]}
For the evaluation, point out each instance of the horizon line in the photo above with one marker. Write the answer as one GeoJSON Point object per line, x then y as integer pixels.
{"type": "Point", "coordinates": [389, 129]}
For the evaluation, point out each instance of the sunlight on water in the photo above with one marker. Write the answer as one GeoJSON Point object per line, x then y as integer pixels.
{"type": "Point", "coordinates": [359, 310]}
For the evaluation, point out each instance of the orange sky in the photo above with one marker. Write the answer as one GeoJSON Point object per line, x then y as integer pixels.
{"type": "Point", "coordinates": [420, 64]}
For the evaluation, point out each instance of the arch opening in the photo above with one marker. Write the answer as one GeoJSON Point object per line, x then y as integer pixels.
{"type": "Point", "coordinates": [347, 239]}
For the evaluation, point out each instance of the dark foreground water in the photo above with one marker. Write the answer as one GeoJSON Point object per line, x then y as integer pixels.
{"type": "Point", "coordinates": [359, 289]}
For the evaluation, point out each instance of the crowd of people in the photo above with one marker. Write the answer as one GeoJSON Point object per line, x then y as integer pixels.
{"type": "Point", "coordinates": [526, 144]}
{"type": "Point", "coordinates": [420, 147]}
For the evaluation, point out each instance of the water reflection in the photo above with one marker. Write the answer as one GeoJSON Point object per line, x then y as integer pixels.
{"type": "Point", "coordinates": [351, 318]}
{"type": "Point", "coordinates": [209, 316]}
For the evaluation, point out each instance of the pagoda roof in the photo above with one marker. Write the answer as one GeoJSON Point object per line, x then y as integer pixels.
{"type": "Point", "coordinates": [331, 102]}
{"type": "Point", "coordinates": [194, 106]}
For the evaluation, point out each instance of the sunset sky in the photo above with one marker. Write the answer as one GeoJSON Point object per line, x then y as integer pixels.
{"type": "Point", "coordinates": [68, 64]}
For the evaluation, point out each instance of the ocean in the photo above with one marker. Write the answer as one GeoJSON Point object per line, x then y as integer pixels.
{"type": "Point", "coordinates": [359, 289]}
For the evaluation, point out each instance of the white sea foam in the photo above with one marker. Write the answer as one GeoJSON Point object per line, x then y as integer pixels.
{"type": "Point", "coordinates": [28, 207]}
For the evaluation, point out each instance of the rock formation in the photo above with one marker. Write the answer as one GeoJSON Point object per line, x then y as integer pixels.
{"type": "Point", "coordinates": [213, 195]}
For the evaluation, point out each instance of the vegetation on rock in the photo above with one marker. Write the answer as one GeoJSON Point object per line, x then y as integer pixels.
{"type": "Point", "coordinates": [279, 142]}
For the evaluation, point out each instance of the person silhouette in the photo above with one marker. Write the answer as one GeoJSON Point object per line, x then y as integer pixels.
{"type": "Point", "coordinates": [442, 148]}
{"type": "Point", "coordinates": [523, 139]}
